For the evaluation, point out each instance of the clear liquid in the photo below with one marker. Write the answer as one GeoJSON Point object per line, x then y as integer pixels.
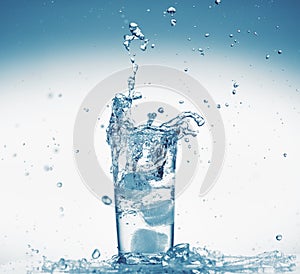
{"type": "Point", "coordinates": [146, 227]}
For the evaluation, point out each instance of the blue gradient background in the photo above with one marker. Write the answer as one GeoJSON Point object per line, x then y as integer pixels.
{"type": "Point", "coordinates": [67, 47]}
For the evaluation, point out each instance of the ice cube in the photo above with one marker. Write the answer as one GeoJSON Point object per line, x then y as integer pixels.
{"type": "Point", "coordinates": [148, 241]}
{"type": "Point", "coordinates": [159, 213]}
{"type": "Point", "coordinates": [134, 186]}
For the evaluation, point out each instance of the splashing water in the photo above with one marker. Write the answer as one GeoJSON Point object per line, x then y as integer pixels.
{"type": "Point", "coordinates": [122, 133]}
{"type": "Point", "coordinates": [178, 259]}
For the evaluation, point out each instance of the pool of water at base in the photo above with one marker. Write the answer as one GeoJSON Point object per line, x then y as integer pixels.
{"type": "Point", "coordinates": [179, 259]}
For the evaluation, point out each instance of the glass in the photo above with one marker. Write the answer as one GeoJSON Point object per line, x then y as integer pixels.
{"type": "Point", "coordinates": [144, 191]}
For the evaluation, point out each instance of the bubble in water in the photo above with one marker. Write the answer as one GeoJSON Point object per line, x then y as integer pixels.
{"type": "Point", "coordinates": [217, 2]}
{"type": "Point", "coordinates": [96, 254]}
{"type": "Point", "coordinates": [279, 237]}
{"type": "Point", "coordinates": [161, 110]}
{"type": "Point", "coordinates": [206, 34]}
{"type": "Point", "coordinates": [267, 56]}
{"type": "Point", "coordinates": [171, 10]}
{"type": "Point", "coordinates": [279, 51]}
{"type": "Point", "coordinates": [106, 200]}
{"type": "Point", "coordinates": [173, 22]}
{"type": "Point", "coordinates": [59, 184]}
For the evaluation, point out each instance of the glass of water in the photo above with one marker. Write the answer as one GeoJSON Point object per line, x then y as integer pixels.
{"type": "Point", "coordinates": [144, 191]}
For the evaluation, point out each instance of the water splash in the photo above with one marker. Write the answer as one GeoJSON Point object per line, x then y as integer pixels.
{"type": "Point", "coordinates": [178, 259]}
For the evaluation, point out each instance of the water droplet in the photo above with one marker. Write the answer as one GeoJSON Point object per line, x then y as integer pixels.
{"type": "Point", "coordinates": [226, 105]}
{"type": "Point", "coordinates": [86, 109]}
{"type": "Point", "coordinates": [285, 155]}
{"type": "Point", "coordinates": [77, 151]}
{"type": "Point", "coordinates": [200, 49]}
{"type": "Point", "coordinates": [186, 69]}
{"type": "Point", "coordinates": [239, 31]}
{"type": "Point", "coordinates": [48, 168]}
{"type": "Point", "coordinates": [205, 101]}
{"type": "Point", "coordinates": [279, 51]}
{"type": "Point", "coordinates": [59, 184]}
{"type": "Point", "coordinates": [189, 39]}
{"type": "Point", "coordinates": [207, 34]}
{"type": "Point", "coordinates": [181, 102]}
{"type": "Point", "coordinates": [171, 10]}
{"type": "Point", "coordinates": [218, 106]}
{"type": "Point", "coordinates": [148, 10]}
{"type": "Point", "coordinates": [161, 110]}
{"type": "Point", "coordinates": [235, 85]}
{"type": "Point", "coordinates": [106, 200]}
{"type": "Point", "coordinates": [267, 56]}
{"type": "Point", "coordinates": [96, 254]}
{"type": "Point", "coordinates": [153, 46]}
{"type": "Point", "coordinates": [61, 209]}
{"type": "Point", "coordinates": [217, 2]}
{"type": "Point", "coordinates": [186, 140]}
{"type": "Point", "coordinates": [173, 22]}
{"type": "Point", "coordinates": [279, 237]}
{"type": "Point", "coordinates": [26, 173]}
{"type": "Point", "coordinates": [230, 35]}
{"type": "Point", "coordinates": [143, 46]}
{"type": "Point", "coordinates": [234, 92]}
